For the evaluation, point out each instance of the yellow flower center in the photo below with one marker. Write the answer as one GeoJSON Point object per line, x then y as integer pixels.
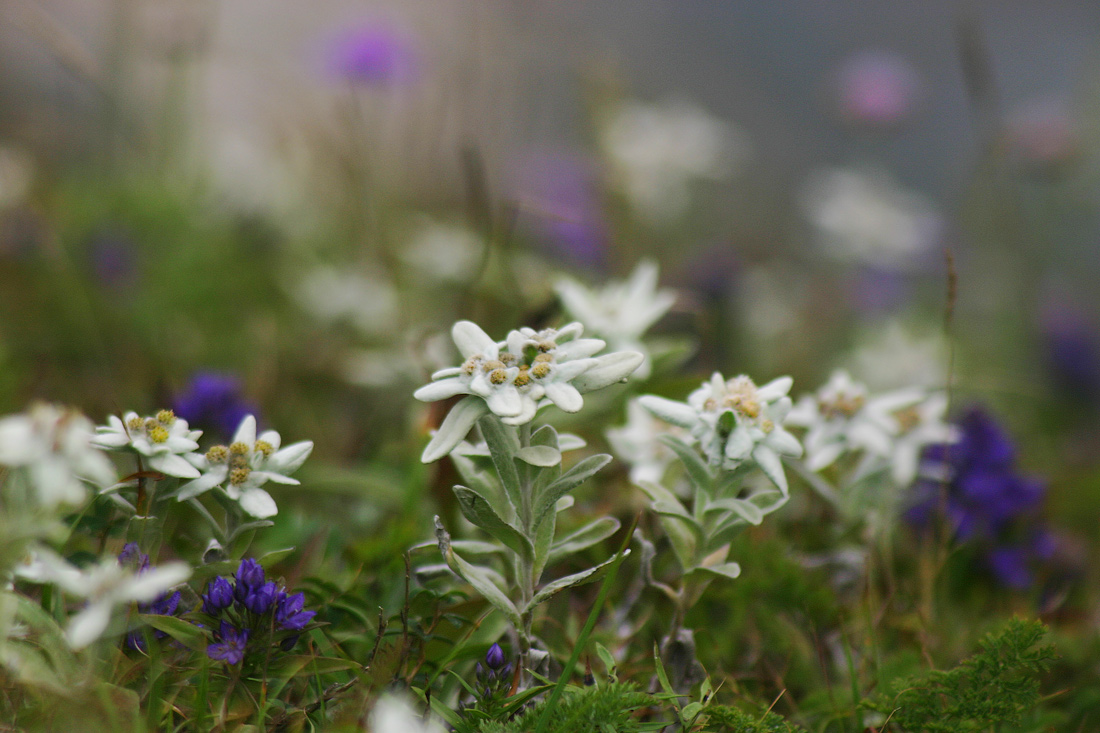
{"type": "Point", "coordinates": [239, 475]}
{"type": "Point", "coordinates": [166, 417]}
{"type": "Point", "coordinates": [217, 454]}
{"type": "Point", "coordinates": [498, 376]}
{"type": "Point", "coordinates": [158, 434]}
{"type": "Point", "coordinates": [264, 447]}
{"type": "Point", "coordinates": [239, 448]}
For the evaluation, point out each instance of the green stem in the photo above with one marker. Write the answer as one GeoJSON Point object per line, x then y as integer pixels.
{"type": "Point", "coordinates": [527, 579]}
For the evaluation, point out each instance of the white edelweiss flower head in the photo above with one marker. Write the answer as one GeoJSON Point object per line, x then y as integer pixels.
{"type": "Point", "coordinates": [55, 446]}
{"type": "Point", "coordinates": [165, 441]}
{"type": "Point", "coordinates": [516, 377]}
{"type": "Point", "coordinates": [245, 465]}
{"type": "Point", "coordinates": [736, 421]}
{"type": "Point", "coordinates": [622, 311]}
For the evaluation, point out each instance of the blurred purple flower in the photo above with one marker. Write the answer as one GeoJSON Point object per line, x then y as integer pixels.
{"type": "Point", "coordinates": [559, 198]}
{"type": "Point", "coordinates": [214, 403]}
{"type": "Point", "coordinates": [878, 290]}
{"type": "Point", "coordinates": [164, 605]}
{"type": "Point", "coordinates": [112, 257]}
{"type": "Point", "coordinates": [377, 54]}
{"type": "Point", "coordinates": [983, 497]}
{"type": "Point", "coordinates": [1042, 132]}
{"type": "Point", "coordinates": [877, 88]}
{"type": "Point", "coordinates": [1072, 353]}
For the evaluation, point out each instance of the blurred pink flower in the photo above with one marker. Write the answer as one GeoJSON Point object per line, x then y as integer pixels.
{"type": "Point", "coordinates": [877, 88]}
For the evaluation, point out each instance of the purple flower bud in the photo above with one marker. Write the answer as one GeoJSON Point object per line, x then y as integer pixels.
{"type": "Point", "coordinates": [289, 614]}
{"type": "Point", "coordinates": [132, 557]}
{"type": "Point", "coordinates": [249, 575]}
{"type": "Point", "coordinates": [259, 600]}
{"type": "Point", "coordinates": [231, 646]}
{"type": "Point", "coordinates": [219, 596]}
{"type": "Point", "coordinates": [288, 643]}
{"type": "Point", "coordinates": [166, 605]}
{"type": "Point", "coordinates": [494, 658]}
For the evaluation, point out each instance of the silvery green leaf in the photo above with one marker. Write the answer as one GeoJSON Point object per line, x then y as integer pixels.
{"type": "Point", "coordinates": [568, 442]}
{"type": "Point", "coordinates": [564, 503]}
{"type": "Point", "coordinates": [503, 445]}
{"type": "Point", "coordinates": [681, 529]}
{"type": "Point", "coordinates": [479, 577]}
{"type": "Point", "coordinates": [726, 569]}
{"type": "Point", "coordinates": [675, 413]}
{"type": "Point", "coordinates": [472, 475]}
{"type": "Point", "coordinates": [549, 590]}
{"type": "Point", "coordinates": [609, 369]}
{"type": "Point", "coordinates": [771, 465]}
{"type": "Point", "coordinates": [544, 540]}
{"type": "Point", "coordinates": [480, 511]}
{"type": "Point", "coordinates": [697, 469]}
{"type": "Point", "coordinates": [744, 509]}
{"type": "Point", "coordinates": [542, 456]}
{"type": "Point", "coordinates": [608, 660]}
{"type": "Point", "coordinates": [454, 428]}
{"type": "Point", "coordinates": [586, 536]}
{"type": "Point", "coordinates": [575, 476]}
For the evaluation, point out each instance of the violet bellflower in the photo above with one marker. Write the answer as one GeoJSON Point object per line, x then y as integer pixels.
{"type": "Point", "coordinates": [166, 604]}
{"type": "Point", "coordinates": [984, 499]}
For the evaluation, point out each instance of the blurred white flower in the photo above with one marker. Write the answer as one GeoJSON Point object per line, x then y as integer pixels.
{"type": "Point", "coordinates": [105, 585]}
{"type": "Point", "coordinates": [444, 252]}
{"type": "Point", "coordinates": [636, 443]}
{"type": "Point", "coordinates": [894, 355]}
{"type": "Point", "coordinates": [330, 295]}
{"type": "Point", "coordinates": [867, 218]}
{"type": "Point", "coordinates": [55, 447]}
{"type": "Point", "coordinates": [889, 430]}
{"type": "Point", "coordinates": [621, 311]}
{"type": "Point", "coordinates": [657, 150]}
{"type": "Point", "coordinates": [736, 421]}
{"type": "Point", "coordinates": [165, 441]}
{"type": "Point", "coordinates": [393, 714]}
{"type": "Point", "coordinates": [245, 465]}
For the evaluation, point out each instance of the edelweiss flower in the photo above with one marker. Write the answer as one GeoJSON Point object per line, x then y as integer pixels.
{"type": "Point", "coordinates": [513, 375]}
{"type": "Point", "coordinates": [105, 585]}
{"type": "Point", "coordinates": [55, 446]}
{"type": "Point", "coordinates": [517, 376]}
{"type": "Point", "coordinates": [841, 417]}
{"type": "Point", "coordinates": [245, 465]}
{"type": "Point", "coordinates": [735, 421]}
{"type": "Point", "coordinates": [164, 440]}
{"type": "Point", "coordinates": [891, 429]}
{"type": "Point", "coordinates": [622, 311]}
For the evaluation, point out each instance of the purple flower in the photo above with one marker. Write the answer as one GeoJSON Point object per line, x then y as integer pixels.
{"type": "Point", "coordinates": [219, 596]}
{"type": "Point", "coordinates": [1072, 353]}
{"type": "Point", "coordinates": [112, 255]}
{"type": "Point", "coordinates": [289, 614]}
{"type": "Point", "coordinates": [559, 200]}
{"type": "Point", "coordinates": [250, 575]}
{"type": "Point", "coordinates": [877, 88]}
{"type": "Point", "coordinates": [983, 498]}
{"type": "Point", "coordinates": [494, 658]}
{"type": "Point", "coordinates": [213, 402]}
{"type": "Point", "coordinates": [259, 599]}
{"type": "Point", "coordinates": [231, 646]}
{"type": "Point", "coordinates": [377, 54]}
{"type": "Point", "coordinates": [132, 556]}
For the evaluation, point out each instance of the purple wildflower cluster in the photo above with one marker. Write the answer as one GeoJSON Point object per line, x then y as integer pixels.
{"type": "Point", "coordinates": [250, 613]}
{"type": "Point", "coordinates": [985, 500]}
{"type": "Point", "coordinates": [495, 677]}
{"type": "Point", "coordinates": [166, 604]}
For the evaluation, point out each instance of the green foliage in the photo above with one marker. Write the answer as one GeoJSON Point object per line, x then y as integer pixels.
{"type": "Point", "coordinates": [998, 685]}
{"type": "Point", "coordinates": [727, 719]}
{"type": "Point", "coordinates": [610, 708]}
